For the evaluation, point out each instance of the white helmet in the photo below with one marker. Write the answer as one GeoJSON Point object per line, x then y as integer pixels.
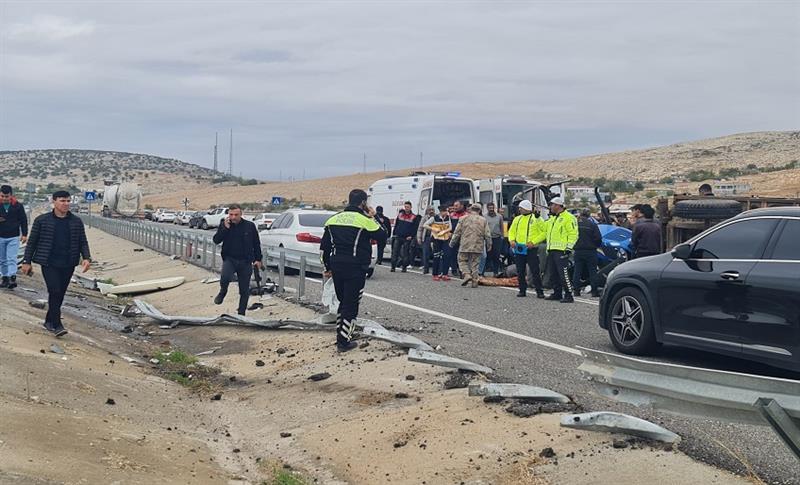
{"type": "Point", "coordinates": [557, 200]}
{"type": "Point", "coordinates": [526, 204]}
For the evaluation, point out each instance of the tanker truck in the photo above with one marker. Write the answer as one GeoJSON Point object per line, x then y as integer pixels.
{"type": "Point", "coordinates": [122, 200]}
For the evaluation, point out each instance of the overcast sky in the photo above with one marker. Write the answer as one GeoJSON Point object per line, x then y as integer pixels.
{"type": "Point", "coordinates": [314, 85]}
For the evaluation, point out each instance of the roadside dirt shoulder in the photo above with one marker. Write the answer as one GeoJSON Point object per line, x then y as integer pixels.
{"type": "Point", "coordinates": [372, 417]}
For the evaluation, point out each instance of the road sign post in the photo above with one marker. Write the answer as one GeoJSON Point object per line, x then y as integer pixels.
{"type": "Point", "coordinates": [90, 196]}
{"type": "Point", "coordinates": [276, 201]}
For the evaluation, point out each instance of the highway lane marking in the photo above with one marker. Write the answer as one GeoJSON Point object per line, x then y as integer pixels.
{"type": "Point", "coordinates": [582, 300]}
{"type": "Point", "coordinates": [507, 333]}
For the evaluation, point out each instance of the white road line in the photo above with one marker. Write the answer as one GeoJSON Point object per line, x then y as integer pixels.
{"type": "Point", "coordinates": [507, 333]}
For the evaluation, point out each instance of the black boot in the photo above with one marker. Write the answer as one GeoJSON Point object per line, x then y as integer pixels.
{"type": "Point", "coordinates": [4, 282]}
{"type": "Point", "coordinates": [554, 297]}
{"type": "Point", "coordinates": [567, 298]}
{"type": "Point", "coordinates": [540, 294]}
{"type": "Point", "coordinates": [219, 298]}
{"type": "Point", "coordinates": [12, 282]}
{"type": "Point", "coordinates": [595, 293]}
{"type": "Point", "coordinates": [345, 346]}
{"type": "Point", "coordinates": [521, 294]}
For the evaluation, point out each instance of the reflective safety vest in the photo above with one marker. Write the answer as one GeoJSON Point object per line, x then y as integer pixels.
{"type": "Point", "coordinates": [348, 238]}
{"type": "Point", "coordinates": [562, 232]}
{"type": "Point", "coordinates": [527, 229]}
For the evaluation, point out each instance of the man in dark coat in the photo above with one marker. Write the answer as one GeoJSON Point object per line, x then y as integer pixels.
{"type": "Point", "coordinates": [646, 237]}
{"type": "Point", "coordinates": [241, 250]}
{"type": "Point", "coordinates": [13, 231]}
{"type": "Point", "coordinates": [57, 243]}
{"type": "Point", "coordinates": [585, 256]}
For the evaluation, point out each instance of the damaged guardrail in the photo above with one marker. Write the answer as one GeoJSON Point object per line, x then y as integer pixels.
{"type": "Point", "coordinates": [693, 391]}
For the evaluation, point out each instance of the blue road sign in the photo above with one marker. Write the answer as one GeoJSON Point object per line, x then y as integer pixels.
{"type": "Point", "coordinates": [90, 196]}
{"type": "Point", "coordinates": [277, 200]}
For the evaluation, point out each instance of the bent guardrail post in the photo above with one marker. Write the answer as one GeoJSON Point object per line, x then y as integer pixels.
{"type": "Point", "coordinates": [301, 286]}
{"type": "Point", "coordinates": [781, 423]}
{"type": "Point", "coordinates": [281, 270]}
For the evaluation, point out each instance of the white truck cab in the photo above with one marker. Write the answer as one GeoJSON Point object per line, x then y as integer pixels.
{"type": "Point", "coordinates": [507, 191]}
{"type": "Point", "coordinates": [423, 189]}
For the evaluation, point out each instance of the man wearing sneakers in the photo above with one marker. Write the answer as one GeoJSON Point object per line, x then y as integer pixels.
{"type": "Point", "coordinates": [13, 230]}
{"type": "Point", "coordinates": [346, 253]}
{"type": "Point", "coordinates": [562, 234]}
{"type": "Point", "coordinates": [241, 250]}
{"type": "Point", "coordinates": [405, 230]}
{"type": "Point", "coordinates": [57, 243]}
{"type": "Point", "coordinates": [527, 231]}
{"type": "Point", "coordinates": [441, 232]}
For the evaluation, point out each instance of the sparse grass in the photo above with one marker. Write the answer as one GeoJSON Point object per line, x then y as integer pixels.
{"type": "Point", "coordinates": [285, 477]}
{"type": "Point", "coordinates": [108, 281]}
{"type": "Point", "coordinates": [183, 368]}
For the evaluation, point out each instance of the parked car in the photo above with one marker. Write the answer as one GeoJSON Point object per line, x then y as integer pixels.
{"type": "Point", "coordinates": [733, 289]}
{"type": "Point", "coordinates": [214, 218]}
{"type": "Point", "coordinates": [265, 220]}
{"type": "Point", "coordinates": [148, 214]}
{"type": "Point", "coordinates": [301, 230]}
{"type": "Point", "coordinates": [165, 216]}
{"type": "Point", "coordinates": [196, 220]}
{"type": "Point", "coordinates": [182, 217]}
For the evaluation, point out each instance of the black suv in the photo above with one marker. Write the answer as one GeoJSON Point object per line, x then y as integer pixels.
{"type": "Point", "coordinates": [733, 289]}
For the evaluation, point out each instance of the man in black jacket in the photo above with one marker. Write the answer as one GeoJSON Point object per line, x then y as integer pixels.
{"type": "Point", "coordinates": [386, 224]}
{"type": "Point", "coordinates": [589, 239]}
{"type": "Point", "coordinates": [241, 250]}
{"type": "Point", "coordinates": [346, 253]}
{"type": "Point", "coordinates": [13, 230]}
{"type": "Point", "coordinates": [405, 230]}
{"type": "Point", "coordinates": [646, 238]}
{"type": "Point", "coordinates": [57, 243]}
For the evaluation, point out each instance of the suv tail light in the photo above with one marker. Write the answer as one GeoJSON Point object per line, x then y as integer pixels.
{"type": "Point", "coordinates": [307, 237]}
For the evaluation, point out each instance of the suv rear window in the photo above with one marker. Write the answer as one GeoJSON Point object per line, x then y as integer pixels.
{"type": "Point", "coordinates": [314, 220]}
{"type": "Point", "coordinates": [740, 240]}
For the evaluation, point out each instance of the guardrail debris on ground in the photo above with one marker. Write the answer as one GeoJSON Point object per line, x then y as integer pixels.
{"type": "Point", "coordinates": [199, 249]}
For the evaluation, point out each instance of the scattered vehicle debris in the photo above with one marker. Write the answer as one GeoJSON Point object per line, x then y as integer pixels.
{"type": "Point", "coordinates": [256, 306]}
{"type": "Point", "coordinates": [210, 279]}
{"type": "Point", "coordinates": [518, 391]}
{"type": "Point", "coordinates": [225, 319]}
{"type": "Point", "coordinates": [208, 352]}
{"type": "Point", "coordinates": [56, 349]}
{"type": "Point", "coordinates": [457, 380]}
{"type": "Point", "coordinates": [41, 304]}
{"type": "Point", "coordinates": [526, 409]}
{"type": "Point", "coordinates": [319, 377]}
{"type": "Point", "coordinates": [619, 423]}
{"type": "Point", "coordinates": [375, 330]}
{"type": "Point", "coordinates": [141, 286]}
{"type": "Point", "coordinates": [85, 282]}
{"type": "Point", "coordinates": [424, 356]}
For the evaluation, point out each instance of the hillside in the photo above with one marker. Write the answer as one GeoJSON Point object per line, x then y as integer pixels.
{"type": "Point", "coordinates": [87, 169]}
{"type": "Point", "coordinates": [768, 160]}
{"type": "Point", "coordinates": [760, 151]}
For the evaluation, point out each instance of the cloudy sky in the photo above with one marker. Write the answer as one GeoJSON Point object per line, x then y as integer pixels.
{"type": "Point", "coordinates": [314, 85]}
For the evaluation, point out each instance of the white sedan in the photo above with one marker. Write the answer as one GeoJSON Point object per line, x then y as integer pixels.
{"type": "Point", "coordinates": [301, 230]}
{"type": "Point", "coordinates": [166, 216]}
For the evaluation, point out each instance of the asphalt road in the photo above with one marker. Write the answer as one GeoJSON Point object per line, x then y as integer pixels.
{"type": "Point", "coordinates": [531, 341]}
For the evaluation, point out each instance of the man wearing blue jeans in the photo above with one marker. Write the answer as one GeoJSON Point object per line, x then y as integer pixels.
{"type": "Point", "coordinates": [13, 230]}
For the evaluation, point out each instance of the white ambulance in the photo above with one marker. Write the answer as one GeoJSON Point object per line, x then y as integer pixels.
{"type": "Point", "coordinates": [423, 189]}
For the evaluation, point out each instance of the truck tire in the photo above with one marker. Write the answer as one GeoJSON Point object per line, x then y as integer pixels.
{"type": "Point", "coordinates": [706, 209]}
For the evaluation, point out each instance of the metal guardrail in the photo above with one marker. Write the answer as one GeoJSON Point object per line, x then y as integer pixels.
{"type": "Point", "coordinates": [692, 391]}
{"type": "Point", "coordinates": [200, 249]}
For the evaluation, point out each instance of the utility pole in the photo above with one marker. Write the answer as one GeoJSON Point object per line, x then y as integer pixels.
{"type": "Point", "coordinates": [216, 142]}
{"type": "Point", "coordinates": [420, 159]}
{"type": "Point", "coordinates": [280, 176]}
{"type": "Point", "coordinates": [230, 156]}
{"type": "Point", "coordinates": [365, 163]}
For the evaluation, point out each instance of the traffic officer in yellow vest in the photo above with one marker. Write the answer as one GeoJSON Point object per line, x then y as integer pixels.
{"type": "Point", "coordinates": [527, 231]}
{"type": "Point", "coordinates": [562, 234]}
{"type": "Point", "coordinates": [346, 253]}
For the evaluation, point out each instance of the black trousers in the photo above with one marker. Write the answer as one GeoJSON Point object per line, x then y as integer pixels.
{"type": "Point", "coordinates": [57, 280]}
{"type": "Point", "coordinates": [559, 276]}
{"type": "Point", "coordinates": [381, 249]}
{"type": "Point", "coordinates": [349, 281]}
{"type": "Point", "coordinates": [493, 256]}
{"type": "Point", "coordinates": [528, 261]}
{"type": "Point", "coordinates": [585, 265]}
{"type": "Point", "coordinates": [244, 271]}
{"type": "Point", "coordinates": [401, 252]}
